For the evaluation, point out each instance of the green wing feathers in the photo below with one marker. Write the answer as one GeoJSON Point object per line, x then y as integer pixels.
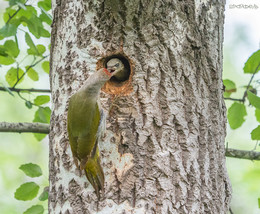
{"type": "Point", "coordinates": [83, 127]}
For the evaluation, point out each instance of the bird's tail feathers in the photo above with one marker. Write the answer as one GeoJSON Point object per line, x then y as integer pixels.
{"type": "Point", "coordinates": [95, 174]}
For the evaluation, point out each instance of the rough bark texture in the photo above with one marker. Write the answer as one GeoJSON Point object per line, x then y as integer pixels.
{"type": "Point", "coordinates": [164, 149]}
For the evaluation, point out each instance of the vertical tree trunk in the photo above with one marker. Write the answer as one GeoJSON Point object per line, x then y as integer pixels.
{"type": "Point", "coordinates": [164, 149]}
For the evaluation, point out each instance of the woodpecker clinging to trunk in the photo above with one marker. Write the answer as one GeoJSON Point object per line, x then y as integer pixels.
{"type": "Point", "coordinates": [86, 124]}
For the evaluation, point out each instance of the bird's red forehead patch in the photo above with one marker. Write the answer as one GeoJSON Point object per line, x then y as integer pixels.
{"type": "Point", "coordinates": [107, 72]}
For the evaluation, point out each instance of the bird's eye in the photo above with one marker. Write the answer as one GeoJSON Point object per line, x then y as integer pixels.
{"type": "Point", "coordinates": [117, 65]}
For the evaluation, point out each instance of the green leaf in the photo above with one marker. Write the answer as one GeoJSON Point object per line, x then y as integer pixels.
{"type": "Point", "coordinates": [253, 99]}
{"type": "Point", "coordinates": [44, 33]}
{"type": "Point", "coordinates": [252, 64]}
{"type": "Point", "coordinates": [36, 28]}
{"type": "Point", "coordinates": [236, 114]}
{"type": "Point", "coordinates": [32, 170]}
{"type": "Point", "coordinates": [46, 4]}
{"type": "Point", "coordinates": [11, 76]}
{"type": "Point", "coordinates": [41, 49]}
{"type": "Point", "coordinates": [32, 74]}
{"type": "Point", "coordinates": [6, 60]}
{"type": "Point", "coordinates": [42, 99]}
{"type": "Point", "coordinates": [8, 12]}
{"type": "Point", "coordinates": [230, 87]}
{"type": "Point", "coordinates": [255, 134]}
{"type": "Point", "coordinates": [36, 209]}
{"type": "Point", "coordinates": [12, 48]}
{"type": "Point", "coordinates": [26, 12]}
{"type": "Point", "coordinates": [45, 17]}
{"type": "Point", "coordinates": [8, 30]}
{"type": "Point", "coordinates": [33, 50]}
{"type": "Point", "coordinates": [28, 104]}
{"type": "Point", "coordinates": [3, 51]}
{"type": "Point", "coordinates": [39, 137]}
{"type": "Point", "coordinates": [257, 114]}
{"type": "Point", "coordinates": [258, 202]}
{"type": "Point", "coordinates": [21, 5]}
{"type": "Point", "coordinates": [42, 115]}
{"type": "Point", "coordinates": [14, 2]}
{"type": "Point", "coordinates": [27, 191]}
{"type": "Point", "coordinates": [45, 194]}
{"type": "Point", "coordinates": [46, 66]}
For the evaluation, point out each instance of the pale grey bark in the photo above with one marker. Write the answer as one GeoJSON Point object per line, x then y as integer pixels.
{"type": "Point", "coordinates": [164, 150]}
{"type": "Point", "coordinates": [24, 127]}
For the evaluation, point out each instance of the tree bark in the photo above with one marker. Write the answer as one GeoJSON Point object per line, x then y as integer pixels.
{"type": "Point", "coordinates": [164, 147]}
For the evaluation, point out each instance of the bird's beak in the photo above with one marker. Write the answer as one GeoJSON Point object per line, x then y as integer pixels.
{"type": "Point", "coordinates": [111, 69]}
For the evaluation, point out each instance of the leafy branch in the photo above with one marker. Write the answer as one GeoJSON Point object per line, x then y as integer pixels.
{"type": "Point", "coordinates": [31, 21]}
{"type": "Point", "coordinates": [25, 90]}
{"type": "Point", "coordinates": [19, 8]}
{"type": "Point", "coordinates": [234, 99]}
{"type": "Point", "coordinates": [238, 110]}
{"type": "Point", "coordinates": [27, 69]}
{"type": "Point", "coordinates": [242, 154]}
{"type": "Point", "coordinates": [250, 81]}
{"type": "Point", "coordinates": [243, 99]}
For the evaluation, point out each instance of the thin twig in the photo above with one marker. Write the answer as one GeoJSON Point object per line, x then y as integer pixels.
{"type": "Point", "coordinates": [21, 97]}
{"type": "Point", "coordinates": [27, 69]}
{"type": "Point", "coordinates": [42, 128]}
{"type": "Point", "coordinates": [242, 154]}
{"type": "Point", "coordinates": [248, 85]}
{"type": "Point", "coordinates": [27, 89]}
{"type": "Point", "coordinates": [234, 99]}
{"type": "Point", "coordinates": [10, 17]}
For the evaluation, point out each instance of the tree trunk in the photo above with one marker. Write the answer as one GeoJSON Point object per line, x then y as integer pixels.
{"type": "Point", "coordinates": [164, 146]}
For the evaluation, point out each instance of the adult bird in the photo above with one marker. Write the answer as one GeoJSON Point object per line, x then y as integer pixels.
{"type": "Point", "coordinates": [86, 125]}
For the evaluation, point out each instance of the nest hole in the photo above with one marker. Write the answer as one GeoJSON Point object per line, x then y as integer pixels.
{"type": "Point", "coordinates": [115, 86]}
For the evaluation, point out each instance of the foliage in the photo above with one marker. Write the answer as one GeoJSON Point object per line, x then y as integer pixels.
{"type": "Point", "coordinates": [31, 170]}
{"type": "Point", "coordinates": [36, 209]}
{"type": "Point", "coordinates": [237, 111]}
{"type": "Point", "coordinates": [230, 87]}
{"type": "Point", "coordinates": [23, 18]}
{"type": "Point", "coordinates": [24, 53]}
{"type": "Point", "coordinates": [29, 190]}
{"type": "Point", "coordinates": [236, 114]}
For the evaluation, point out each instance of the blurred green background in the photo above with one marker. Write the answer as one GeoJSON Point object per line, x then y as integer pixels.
{"type": "Point", "coordinates": [242, 37]}
{"type": "Point", "coordinates": [17, 149]}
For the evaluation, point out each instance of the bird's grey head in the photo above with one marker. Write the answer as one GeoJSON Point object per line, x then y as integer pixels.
{"type": "Point", "coordinates": [114, 66]}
